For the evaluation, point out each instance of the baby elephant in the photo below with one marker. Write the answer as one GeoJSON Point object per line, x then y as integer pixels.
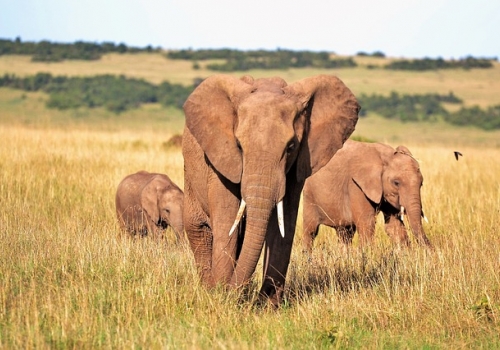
{"type": "Point", "coordinates": [148, 203]}
{"type": "Point", "coordinates": [361, 180]}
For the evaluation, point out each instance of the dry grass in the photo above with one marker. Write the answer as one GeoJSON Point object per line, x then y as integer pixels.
{"type": "Point", "coordinates": [70, 280]}
{"type": "Point", "coordinates": [28, 108]}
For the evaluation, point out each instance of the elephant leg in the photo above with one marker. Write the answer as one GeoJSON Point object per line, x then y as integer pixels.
{"type": "Point", "coordinates": [346, 234]}
{"type": "Point", "coordinates": [365, 224]}
{"type": "Point", "coordinates": [363, 217]}
{"type": "Point", "coordinates": [278, 249]}
{"type": "Point", "coordinates": [200, 240]}
{"type": "Point", "coordinates": [199, 235]}
{"type": "Point", "coordinates": [138, 222]}
{"type": "Point", "coordinates": [276, 260]}
{"type": "Point", "coordinates": [310, 229]}
{"type": "Point", "coordinates": [223, 205]}
{"type": "Point", "coordinates": [396, 230]}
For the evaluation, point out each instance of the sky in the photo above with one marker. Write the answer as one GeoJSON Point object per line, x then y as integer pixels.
{"type": "Point", "coordinates": [398, 28]}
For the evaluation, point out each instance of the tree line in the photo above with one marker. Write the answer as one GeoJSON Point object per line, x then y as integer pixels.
{"type": "Point", "coordinates": [115, 93]}
{"type": "Point", "coordinates": [46, 51]}
{"type": "Point", "coordinates": [429, 107]}
{"type": "Point", "coordinates": [119, 93]}
{"type": "Point", "coordinates": [426, 63]}
{"type": "Point", "coordinates": [236, 60]}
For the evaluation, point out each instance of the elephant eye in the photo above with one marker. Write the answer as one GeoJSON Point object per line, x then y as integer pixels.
{"type": "Point", "coordinates": [239, 145]}
{"type": "Point", "coordinates": [290, 147]}
{"type": "Point", "coordinates": [396, 183]}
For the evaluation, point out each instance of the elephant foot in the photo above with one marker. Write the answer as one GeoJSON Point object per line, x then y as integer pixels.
{"type": "Point", "coordinates": [271, 294]}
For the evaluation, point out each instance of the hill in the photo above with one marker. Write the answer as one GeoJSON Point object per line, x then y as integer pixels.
{"type": "Point", "coordinates": [474, 87]}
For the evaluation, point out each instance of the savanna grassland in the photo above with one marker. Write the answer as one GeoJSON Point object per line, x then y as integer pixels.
{"type": "Point", "coordinates": [69, 279]}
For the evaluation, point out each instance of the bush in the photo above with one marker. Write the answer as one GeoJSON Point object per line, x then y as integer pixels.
{"type": "Point", "coordinates": [429, 108]}
{"type": "Point", "coordinates": [487, 120]}
{"type": "Point", "coordinates": [115, 93]}
{"type": "Point", "coordinates": [407, 107]}
{"type": "Point", "coordinates": [374, 54]}
{"type": "Point", "coordinates": [439, 63]}
{"type": "Point", "coordinates": [46, 51]}
{"type": "Point", "coordinates": [261, 59]}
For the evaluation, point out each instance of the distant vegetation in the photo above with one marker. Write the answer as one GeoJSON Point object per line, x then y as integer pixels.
{"type": "Point", "coordinates": [407, 107]}
{"type": "Point", "coordinates": [485, 119]}
{"type": "Point", "coordinates": [236, 60]}
{"type": "Point", "coordinates": [115, 93]}
{"type": "Point", "coordinates": [379, 54]}
{"type": "Point", "coordinates": [429, 107]}
{"type": "Point", "coordinates": [46, 51]}
{"type": "Point", "coordinates": [439, 63]}
{"type": "Point", "coordinates": [118, 93]}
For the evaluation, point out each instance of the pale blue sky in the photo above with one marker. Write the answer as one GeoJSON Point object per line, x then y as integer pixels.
{"type": "Point", "coordinates": [399, 28]}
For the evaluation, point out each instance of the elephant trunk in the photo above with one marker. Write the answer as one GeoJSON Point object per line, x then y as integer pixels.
{"type": "Point", "coordinates": [178, 227]}
{"type": "Point", "coordinates": [414, 213]}
{"type": "Point", "coordinates": [259, 193]}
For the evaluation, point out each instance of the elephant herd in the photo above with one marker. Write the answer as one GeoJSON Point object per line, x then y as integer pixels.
{"type": "Point", "coordinates": [251, 148]}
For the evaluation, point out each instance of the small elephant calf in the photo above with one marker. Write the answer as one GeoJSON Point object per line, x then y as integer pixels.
{"type": "Point", "coordinates": [148, 203]}
{"type": "Point", "coordinates": [361, 180]}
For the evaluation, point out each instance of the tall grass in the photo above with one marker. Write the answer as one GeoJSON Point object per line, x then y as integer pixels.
{"type": "Point", "coordinates": [69, 279]}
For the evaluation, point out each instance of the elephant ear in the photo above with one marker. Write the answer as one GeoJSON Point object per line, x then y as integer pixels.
{"type": "Point", "coordinates": [366, 167]}
{"type": "Point", "coordinates": [332, 113]}
{"type": "Point", "coordinates": [149, 199]}
{"type": "Point", "coordinates": [403, 150]}
{"type": "Point", "coordinates": [211, 116]}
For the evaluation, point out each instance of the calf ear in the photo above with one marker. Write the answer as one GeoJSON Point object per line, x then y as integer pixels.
{"type": "Point", "coordinates": [149, 200]}
{"type": "Point", "coordinates": [366, 169]}
{"type": "Point", "coordinates": [404, 150]}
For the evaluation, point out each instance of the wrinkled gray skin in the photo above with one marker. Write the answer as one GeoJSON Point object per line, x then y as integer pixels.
{"type": "Point", "coordinates": [257, 141]}
{"type": "Point", "coordinates": [149, 203]}
{"type": "Point", "coordinates": [361, 180]}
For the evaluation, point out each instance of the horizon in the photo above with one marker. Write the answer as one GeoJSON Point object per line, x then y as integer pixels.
{"type": "Point", "coordinates": [410, 29]}
{"type": "Point", "coordinates": [359, 53]}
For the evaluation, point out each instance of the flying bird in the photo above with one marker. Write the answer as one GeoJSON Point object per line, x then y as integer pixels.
{"type": "Point", "coordinates": [457, 154]}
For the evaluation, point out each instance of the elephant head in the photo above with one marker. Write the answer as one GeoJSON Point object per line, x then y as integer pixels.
{"type": "Point", "coordinates": [266, 137]}
{"type": "Point", "coordinates": [164, 202]}
{"type": "Point", "coordinates": [394, 177]}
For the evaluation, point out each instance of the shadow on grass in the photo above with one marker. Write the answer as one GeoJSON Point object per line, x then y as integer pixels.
{"type": "Point", "coordinates": [349, 273]}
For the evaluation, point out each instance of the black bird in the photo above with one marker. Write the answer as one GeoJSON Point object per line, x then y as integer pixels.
{"type": "Point", "coordinates": [457, 154]}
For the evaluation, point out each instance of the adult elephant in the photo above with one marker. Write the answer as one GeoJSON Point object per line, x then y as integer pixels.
{"type": "Point", "coordinates": [149, 203]}
{"type": "Point", "coordinates": [361, 180]}
{"type": "Point", "coordinates": [248, 146]}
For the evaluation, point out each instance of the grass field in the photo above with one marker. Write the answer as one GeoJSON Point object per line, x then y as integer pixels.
{"type": "Point", "coordinates": [69, 279]}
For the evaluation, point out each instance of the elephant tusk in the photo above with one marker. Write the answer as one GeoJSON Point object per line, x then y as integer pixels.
{"type": "Point", "coordinates": [281, 221]}
{"type": "Point", "coordinates": [402, 212]}
{"type": "Point", "coordinates": [238, 216]}
{"type": "Point", "coordinates": [425, 217]}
